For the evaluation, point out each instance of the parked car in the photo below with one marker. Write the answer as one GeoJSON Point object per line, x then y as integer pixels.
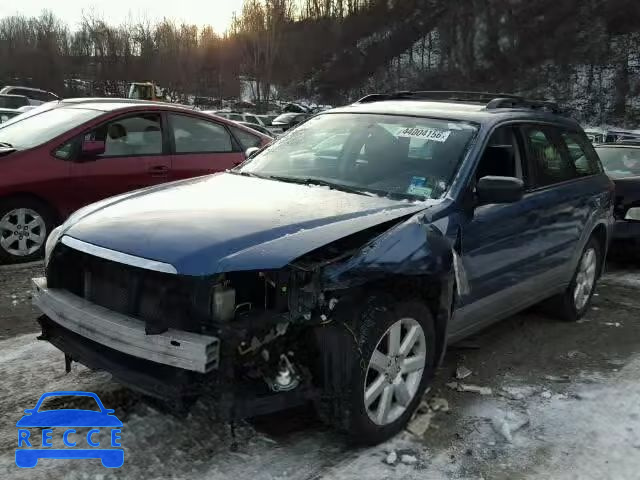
{"type": "Point", "coordinates": [611, 135]}
{"type": "Point", "coordinates": [263, 121]}
{"type": "Point", "coordinates": [621, 161]}
{"type": "Point", "coordinates": [239, 117]}
{"type": "Point", "coordinates": [7, 114]}
{"type": "Point", "coordinates": [61, 156]}
{"type": "Point", "coordinates": [337, 275]}
{"type": "Point", "coordinates": [289, 120]}
{"type": "Point", "coordinates": [35, 95]}
{"type": "Point", "coordinates": [235, 116]}
{"type": "Point", "coordinates": [258, 128]}
{"type": "Point", "coordinates": [13, 101]}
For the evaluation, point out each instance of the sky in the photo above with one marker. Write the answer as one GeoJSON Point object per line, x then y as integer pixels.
{"type": "Point", "coordinates": [216, 13]}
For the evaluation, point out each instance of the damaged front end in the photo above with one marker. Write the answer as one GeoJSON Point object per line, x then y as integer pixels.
{"type": "Point", "coordinates": [248, 339]}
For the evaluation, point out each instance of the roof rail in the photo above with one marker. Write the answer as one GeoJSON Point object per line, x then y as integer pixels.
{"type": "Point", "coordinates": [493, 101]}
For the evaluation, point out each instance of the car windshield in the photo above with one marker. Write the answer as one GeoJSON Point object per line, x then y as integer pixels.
{"type": "Point", "coordinates": [407, 157]}
{"type": "Point", "coordinates": [76, 402]}
{"type": "Point", "coordinates": [620, 162]}
{"type": "Point", "coordinates": [40, 125]}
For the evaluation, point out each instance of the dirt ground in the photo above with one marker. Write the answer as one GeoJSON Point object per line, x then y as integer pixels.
{"type": "Point", "coordinates": [564, 402]}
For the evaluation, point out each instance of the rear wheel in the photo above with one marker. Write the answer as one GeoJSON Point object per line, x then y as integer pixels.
{"type": "Point", "coordinates": [574, 302]}
{"type": "Point", "coordinates": [391, 355]}
{"type": "Point", "coordinates": [24, 226]}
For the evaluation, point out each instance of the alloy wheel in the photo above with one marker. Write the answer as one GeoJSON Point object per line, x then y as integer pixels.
{"type": "Point", "coordinates": [585, 278]}
{"type": "Point", "coordinates": [22, 232]}
{"type": "Point", "coordinates": [395, 371]}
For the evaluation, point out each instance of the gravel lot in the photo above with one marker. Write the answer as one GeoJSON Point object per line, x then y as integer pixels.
{"type": "Point", "coordinates": [564, 403]}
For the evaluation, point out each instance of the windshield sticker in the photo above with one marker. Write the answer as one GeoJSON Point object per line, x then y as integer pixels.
{"type": "Point", "coordinates": [432, 134]}
{"type": "Point", "coordinates": [419, 186]}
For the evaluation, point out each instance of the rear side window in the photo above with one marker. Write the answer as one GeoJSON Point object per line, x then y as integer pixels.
{"type": "Point", "coordinates": [235, 117]}
{"type": "Point", "coordinates": [584, 159]}
{"type": "Point", "coordinates": [551, 165]}
{"type": "Point", "coordinates": [246, 139]}
{"type": "Point", "coordinates": [195, 135]}
{"type": "Point", "coordinates": [251, 119]}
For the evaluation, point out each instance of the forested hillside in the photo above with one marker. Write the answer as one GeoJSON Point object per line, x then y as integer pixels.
{"type": "Point", "coordinates": [584, 53]}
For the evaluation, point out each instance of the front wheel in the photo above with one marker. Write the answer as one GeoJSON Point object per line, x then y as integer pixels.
{"type": "Point", "coordinates": [392, 359]}
{"type": "Point", "coordinates": [24, 226]}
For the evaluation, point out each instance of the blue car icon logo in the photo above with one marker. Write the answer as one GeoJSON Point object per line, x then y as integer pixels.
{"type": "Point", "coordinates": [31, 448]}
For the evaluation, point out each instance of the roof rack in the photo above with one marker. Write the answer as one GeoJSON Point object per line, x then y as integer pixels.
{"type": "Point", "coordinates": [493, 101]}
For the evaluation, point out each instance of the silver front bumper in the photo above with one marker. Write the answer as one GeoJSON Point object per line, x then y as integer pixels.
{"type": "Point", "coordinates": [177, 348]}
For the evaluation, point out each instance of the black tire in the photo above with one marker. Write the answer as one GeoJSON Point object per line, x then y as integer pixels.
{"type": "Point", "coordinates": [345, 350]}
{"type": "Point", "coordinates": [563, 306]}
{"type": "Point", "coordinates": [44, 211]}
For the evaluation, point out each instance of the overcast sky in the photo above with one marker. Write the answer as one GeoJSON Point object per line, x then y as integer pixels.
{"type": "Point", "coordinates": [216, 13]}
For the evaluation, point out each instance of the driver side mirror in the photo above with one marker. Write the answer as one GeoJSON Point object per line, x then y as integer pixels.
{"type": "Point", "coordinates": [250, 152]}
{"type": "Point", "coordinates": [92, 148]}
{"type": "Point", "coordinates": [493, 189]}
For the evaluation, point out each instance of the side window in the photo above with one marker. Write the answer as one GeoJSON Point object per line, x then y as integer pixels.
{"type": "Point", "coordinates": [502, 156]}
{"type": "Point", "coordinates": [246, 139]}
{"type": "Point", "coordinates": [551, 165]}
{"type": "Point", "coordinates": [130, 136]}
{"type": "Point", "coordinates": [584, 159]}
{"type": "Point", "coordinates": [22, 91]}
{"type": "Point", "coordinates": [195, 135]}
{"type": "Point", "coordinates": [251, 119]}
{"type": "Point", "coordinates": [235, 117]}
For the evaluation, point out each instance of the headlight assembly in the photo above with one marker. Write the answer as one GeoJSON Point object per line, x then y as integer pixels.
{"type": "Point", "coordinates": [633, 214]}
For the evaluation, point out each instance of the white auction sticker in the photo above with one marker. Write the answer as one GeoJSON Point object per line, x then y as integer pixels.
{"type": "Point", "coordinates": [432, 134]}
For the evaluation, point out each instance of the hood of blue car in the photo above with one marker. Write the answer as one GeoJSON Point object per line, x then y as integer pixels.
{"type": "Point", "coordinates": [228, 222]}
{"type": "Point", "coordinates": [69, 418]}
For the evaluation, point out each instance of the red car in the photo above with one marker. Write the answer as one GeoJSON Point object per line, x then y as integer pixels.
{"type": "Point", "coordinates": [64, 155]}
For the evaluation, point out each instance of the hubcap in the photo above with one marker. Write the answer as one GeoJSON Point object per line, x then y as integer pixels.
{"type": "Point", "coordinates": [395, 371]}
{"type": "Point", "coordinates": [22, 232]}
{"type": "Point", "coordinates": [585, 279]}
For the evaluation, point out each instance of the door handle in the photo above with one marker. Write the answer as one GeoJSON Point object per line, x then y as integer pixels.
{"type": "Point", "coordinates": [159, 171]}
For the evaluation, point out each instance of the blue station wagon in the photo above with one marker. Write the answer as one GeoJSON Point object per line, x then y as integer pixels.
{"type": "Point", "coordinates": [336, 264]}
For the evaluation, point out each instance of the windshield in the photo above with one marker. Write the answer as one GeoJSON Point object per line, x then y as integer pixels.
{"type": "Point", "coordinates": [620, 162]}
{"type": "Point", "coordinates": [382, 154]}
{"type": "Point", "coordinates": [40, 125]}
{"type": "Point", "coordinates": [77, 402]}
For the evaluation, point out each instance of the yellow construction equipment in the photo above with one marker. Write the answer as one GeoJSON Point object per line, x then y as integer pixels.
{"type": "Point", "coordinates": [146, 91]}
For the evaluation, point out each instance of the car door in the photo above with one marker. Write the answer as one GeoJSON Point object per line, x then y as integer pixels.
{"type": "Point", "coordinates": [201, 146]}
{"type": "Point", "coordinates": [559, 202]}
{"type": "Point", "coordinates": [498, 241]}
{"type": "Point", "coordinates": [570, 187]}
{"type": "Point", "coordinates": [136, 155]}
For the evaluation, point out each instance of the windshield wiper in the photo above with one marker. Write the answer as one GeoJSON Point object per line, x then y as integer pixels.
{"type": "Point", "coordinates": [247, 174]}
{"type": "Point", "coordinates": [323, 183]}
{"type": "Point", "coordinates": [5, 145]}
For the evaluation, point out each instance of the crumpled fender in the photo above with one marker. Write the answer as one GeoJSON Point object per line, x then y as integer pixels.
{"type": "Point", "coordinates": [417, 247]}
{"type": "Point", "coordinates": [414, 247]}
